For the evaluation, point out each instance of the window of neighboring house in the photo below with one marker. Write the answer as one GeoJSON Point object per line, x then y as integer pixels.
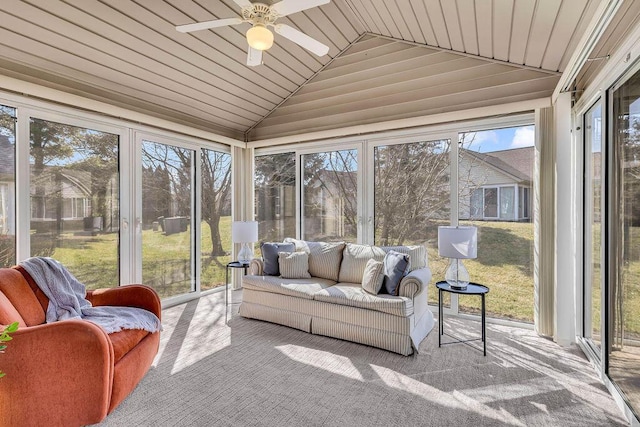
{"type": "Point", "coordinates": [490, 203]}
{"type": "Point", "coordinates": [7, 186]}
{"type": "Point", "coordinates": [75, 207]}
{"type": "Point", "coordinates": [523, 202]}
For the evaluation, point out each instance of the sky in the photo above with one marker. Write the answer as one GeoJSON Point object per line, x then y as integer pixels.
{"type": "Point", "coordinates": [501, 139]}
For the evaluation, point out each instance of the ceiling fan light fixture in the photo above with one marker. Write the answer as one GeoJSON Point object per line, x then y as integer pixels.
{"type": "Point", "coordinates": [259, 37]}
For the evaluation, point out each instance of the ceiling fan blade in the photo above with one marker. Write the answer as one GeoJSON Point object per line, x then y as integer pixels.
{"type": "Point", "coordinates": [287, 7]}
{"type": "Point", "coordinates": [302, 39]}
{"type": "Point", "coordinates": [208, 24]}
{"type": "Point", "coordinates": [243, 3]}
{"type": "Point", "coordinates": [254, 57]}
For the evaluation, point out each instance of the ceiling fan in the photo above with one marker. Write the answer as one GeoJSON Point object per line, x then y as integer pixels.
{"type": "Point", "coordinates": [261, 16]}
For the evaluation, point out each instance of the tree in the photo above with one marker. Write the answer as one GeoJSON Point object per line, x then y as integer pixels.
{"type": "Point", "coordinates": [411, 189]}
{"type": "Point", "coordinates": [216, 194]}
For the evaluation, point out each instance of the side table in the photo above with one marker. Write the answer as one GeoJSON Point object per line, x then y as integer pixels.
{"type": "Point", "coordinates": [471, 289]}
{"type": "Point", "coordinates": [233, 264]}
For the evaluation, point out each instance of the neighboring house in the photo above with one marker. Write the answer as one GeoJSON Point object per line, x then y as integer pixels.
{"type": "Point", "coordinates": [497, 185]}
{"type": "Point", "coordinates": [7, 186]}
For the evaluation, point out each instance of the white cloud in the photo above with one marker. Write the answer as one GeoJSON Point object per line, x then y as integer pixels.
{"type": "Point", "coordinates": [523, 137]}
{"type": "Point", "coordinates": [475, 140]}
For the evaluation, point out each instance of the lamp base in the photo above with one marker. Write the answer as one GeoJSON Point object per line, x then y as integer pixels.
{"type": "Point", "coordinates": [457, 275]}
{"type": "Point", "coordinates": [245, 255]}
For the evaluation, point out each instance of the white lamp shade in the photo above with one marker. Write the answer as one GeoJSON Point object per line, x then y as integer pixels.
{"type": "Point", "coordinates": [244, 231]}
{"type": "Point", "coordinates": [458, 242]}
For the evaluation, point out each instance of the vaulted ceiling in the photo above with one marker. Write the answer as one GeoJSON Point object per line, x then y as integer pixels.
{"type": "Point", "coordinates": [387, 58]}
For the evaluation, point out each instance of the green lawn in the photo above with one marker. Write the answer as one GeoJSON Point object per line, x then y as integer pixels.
{"type": "Point", "coordinates": [165, 260]}
{"type": "Point", "coordinates": [504, 264]}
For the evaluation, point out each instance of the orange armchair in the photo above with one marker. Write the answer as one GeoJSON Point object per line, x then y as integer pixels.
{"type": "Point", "coordinates": [68, 373]}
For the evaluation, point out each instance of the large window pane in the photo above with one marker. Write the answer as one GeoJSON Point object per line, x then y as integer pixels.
{"type": "Point", "coordinates": [624, 294]}
{"type": "Point", "coordinates": [500, 163]}
{"type": "Point", "coordinates": [330, 191]}
{"type": "Point", "coordinates": [7, 186]}
{"type": "Point", "coordinates": [275, 196]}
{"type": "Point", "coordinates": [167, 194]}
{"type": "Point", "coordinates": [411, 197]}
{"type": "Point", "coordinates": [216, 217]}
{"type": "Point", "coordinates": [592, 224]}
{"type": "Point", "coordinates": [75, 203]}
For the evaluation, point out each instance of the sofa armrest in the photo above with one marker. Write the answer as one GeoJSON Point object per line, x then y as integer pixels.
{"type": "Point", "coordinates": [60, 372]}
{"type": "Point", "coordinates": [256, 267]}
{"type": "Point", "coordinates": [415, 282]}
{"type": "Point", "coordinates": [140, 296]}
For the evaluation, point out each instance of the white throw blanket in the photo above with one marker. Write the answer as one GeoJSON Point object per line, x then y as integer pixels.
{"type": "Point", "coordinates": [67, 300]}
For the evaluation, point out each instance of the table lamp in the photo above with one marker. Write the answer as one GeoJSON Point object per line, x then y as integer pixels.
{"type": "Point", "coordinates": [457, 243]}
{"type": "Point", "coordinates": [245, 232]}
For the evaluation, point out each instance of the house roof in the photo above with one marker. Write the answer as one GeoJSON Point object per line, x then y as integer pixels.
{"type": "Point", "coordinates": [516, 162]}
{"type": "Point", "coordinates": [387, 59]}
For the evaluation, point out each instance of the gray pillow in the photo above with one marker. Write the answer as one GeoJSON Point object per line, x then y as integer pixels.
{"type": "Point", "coordinates": [396, 266]}
{"type": "Point", "coordinates": [373, 276]}
{"type": "Point", "coordinates": [270, 256]}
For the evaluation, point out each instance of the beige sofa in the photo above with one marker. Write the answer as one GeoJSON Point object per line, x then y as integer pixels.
{"type": "Point", "coordinates": [333, 303]}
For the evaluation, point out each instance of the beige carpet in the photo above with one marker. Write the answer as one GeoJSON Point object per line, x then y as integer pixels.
{"type": "Point", "coordinates": [253, 373]}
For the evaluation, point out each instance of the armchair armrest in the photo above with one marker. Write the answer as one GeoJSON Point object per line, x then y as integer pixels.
{"type": "Point", "coordinates": [140, 296]}
{"type": "Point", "coordinates": [62, 371]}
{"type": "Point", "coordinates": [256, 267]}
{"type": "Point", "coordinates": [415, 282]}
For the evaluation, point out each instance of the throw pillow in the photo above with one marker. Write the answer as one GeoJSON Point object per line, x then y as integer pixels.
{"type": "Point", "coordinates": [417, 255]}
{"type": "Point", "coordinates": [294, 265]}
{"type": "Point", "coordinates": [270, 256]}
{"type": "Point", "coordinates": [373, 276]}
{"type": "Point", "coordinates": [396, 266]}
{"type": "Point", "coordinates": [324, 257]}
{"type": "Point", "coordinates": [354, 261]}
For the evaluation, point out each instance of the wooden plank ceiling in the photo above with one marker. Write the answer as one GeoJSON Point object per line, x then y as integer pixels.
{"type": "Point", "coordinates": [460, 54]}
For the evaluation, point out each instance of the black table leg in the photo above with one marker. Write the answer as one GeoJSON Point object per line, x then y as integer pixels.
{"type": "Point", "coordinates": [440, 325]}
{"type": "Point", "coordinates": [226, 292]}
{"type": "Point", "coordinates": [484, 325]}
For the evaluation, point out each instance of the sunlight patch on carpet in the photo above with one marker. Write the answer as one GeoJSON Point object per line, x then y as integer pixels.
{"type": "Point", "coordinates": [455, 400]}
{"type": "Point", "coordinates": [322, 359]}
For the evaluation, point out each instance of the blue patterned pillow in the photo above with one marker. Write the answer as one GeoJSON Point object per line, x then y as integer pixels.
{"type": "Point", "coordinates": [396, 266]}
{"type": "Point", "coordinates": [270, 256]}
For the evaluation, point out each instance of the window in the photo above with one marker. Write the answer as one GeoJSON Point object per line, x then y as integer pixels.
{"type": "Point", "coordinates": [624, 262]}
{"type": "Point", "coordinates": [411, 192]}
{"type": "Point", "coordinates": [495, 171]}
{"type": "Point", "coordinates": [167, 218]}
{"type": "Point", "coordinates": [75, 207]}
{"type": "Point", "coordinates": [330, 194]}
{"type": "Point", "coordinates": [7, 186]}
{"type": "Point", "coordinates": [216, 217]}
{"type": "Point", "coordinates": [275, 201]}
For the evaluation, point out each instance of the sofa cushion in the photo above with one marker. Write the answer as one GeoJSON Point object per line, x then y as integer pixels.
{"type": "Point", "coordinates": [324, 257]}
{"type": "Point", "coordinates": [373, 276]}
{"type": "Point", "coordinates": [396, 266]}
{"type": "Point", "coordinates": [354, 261]}
{"type": "Point", "coordinates": [294, 265]}
{"type": "Point", "coordinates": [302, 288]}
{"type": "Point", "coordinates": [270, 256]}
{"type": "Point", "coordinates": [417, 255]}
{"type": "Point", "coordinates": [353, 295]}
{"type": "Point", "coordinates": [125, 340]}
